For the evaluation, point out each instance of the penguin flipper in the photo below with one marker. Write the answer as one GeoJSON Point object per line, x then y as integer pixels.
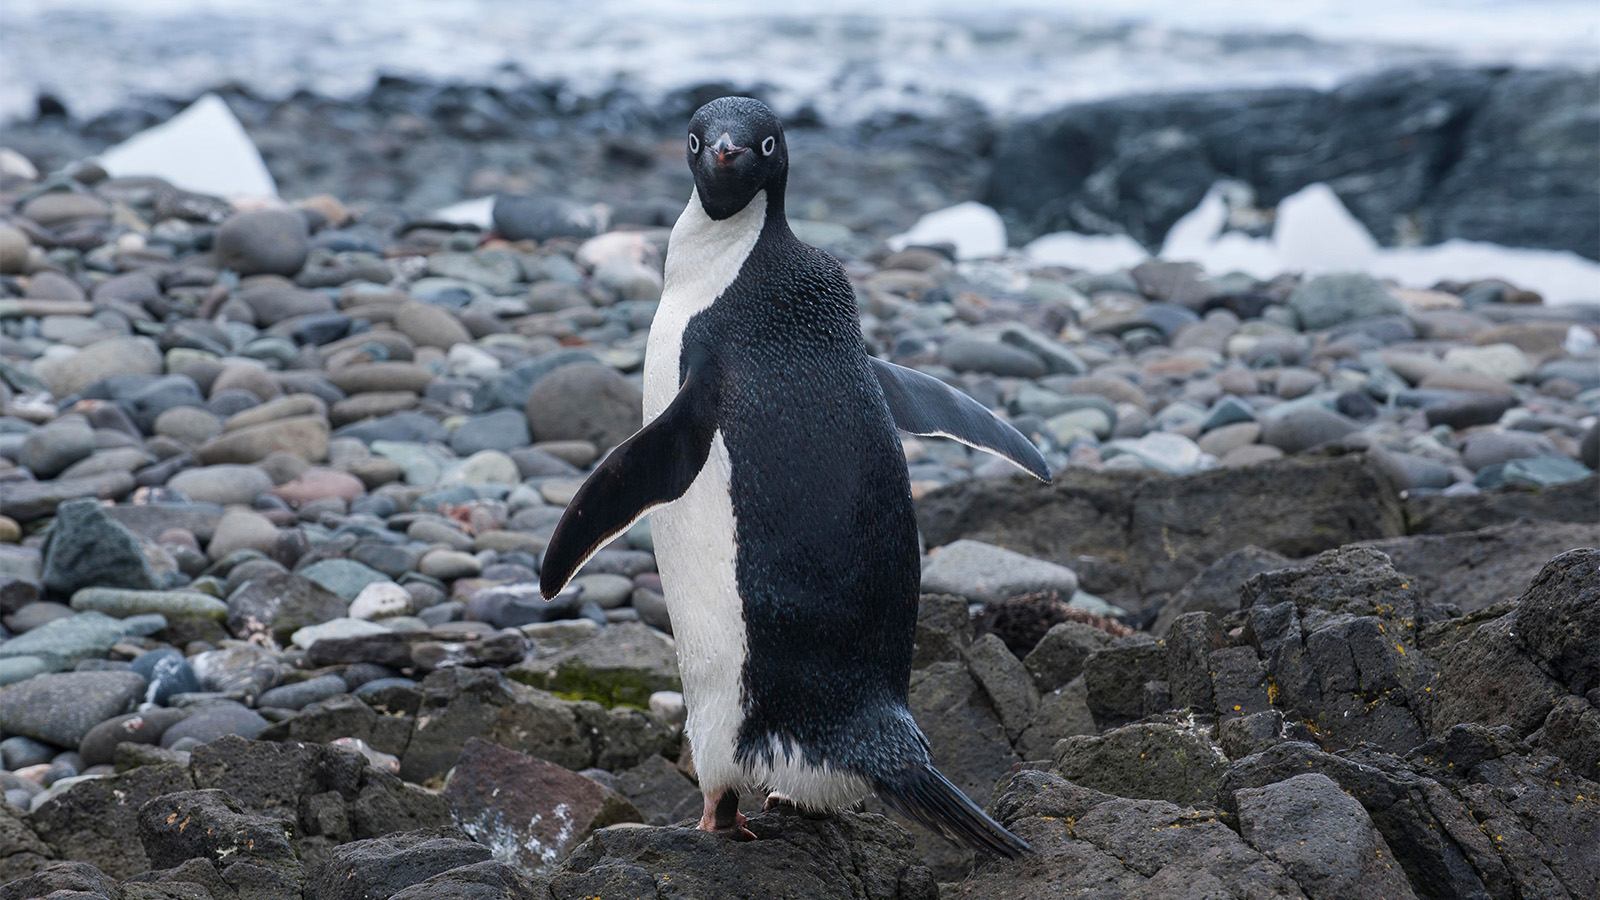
{"type": "Point", "coordinates": [653, 467]}
{"type": "Point", "coordinates": [923, 795]}
{"type": "Point", "coordinates": [924, 405]}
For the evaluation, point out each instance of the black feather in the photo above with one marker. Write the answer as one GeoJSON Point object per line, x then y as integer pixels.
{"type": "Point", "coordinates": [926, 797]}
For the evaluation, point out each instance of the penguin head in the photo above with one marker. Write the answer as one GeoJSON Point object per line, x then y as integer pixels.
{"type": "Point", "coordinates": [736, 149]}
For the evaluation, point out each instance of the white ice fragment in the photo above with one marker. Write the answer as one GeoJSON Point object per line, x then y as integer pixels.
{"type": "Point", "coordinates": [1195, 232]}
{"type": "Point", "coordinates": [469, 212]}
{"type": "Point", "coordinates": [1315, 233]}
{"type": "Point", "coordinates": [974, 229]}
{"type": "Point", "coordinates": [203, 149]}
{"type": "Point", "coordinates": [1579, 341]}
{"type": "Point", "coordinates": [1093, 252]}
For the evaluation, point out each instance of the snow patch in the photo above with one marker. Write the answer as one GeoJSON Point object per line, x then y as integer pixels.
{"type": "Point", "coordinates": [1314, 234]}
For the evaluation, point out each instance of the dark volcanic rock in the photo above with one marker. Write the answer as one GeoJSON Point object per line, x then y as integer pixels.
{"type": "Point", "coordinates": [95, 821]}
{"type": "Point", "coordinates": [1091, 844]}
{"type": "Point", "coordinates": [1323, 837]}
{"type": "Point", "coordinates": [381, 867]}
{"type": "Point", "coordinates": [489, 880]}
{"type": "Point", "coordinates": [63, 881]}
{"type": "Point", "coordinates": [1512, 670]}
{"type": "Point", "coordinates": [21, 851]}
{"type": "Point", "coordinates": [1151, 761]}
{"type": "Point", "coordinates": [1478, 569]}
{"type": "Point", "coordinates": [843, 856]}
{"type": "Point", "coordinates": [1159, 531]}
{"type": "Point", "coordinates": [211, 825]}
{"type": "Point", "coordinates": [1574, 501]}
{"type": "Point", "coordinates": [1216, 589]}
{"type": "Point", "coordinates": [1471, 166]}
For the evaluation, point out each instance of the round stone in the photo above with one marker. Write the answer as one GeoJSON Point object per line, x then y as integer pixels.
{"type": "Point", "coordinates": [448, 565]}
{"type": "Point", "coordinates": [584, 401]}
{"type": "Point", "coordinates": [224, 484]}
{"type": "Point", "coordinates": [263, 242]}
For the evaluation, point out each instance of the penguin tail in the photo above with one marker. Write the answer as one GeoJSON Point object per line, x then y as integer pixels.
{"type": "Point", "coordinates": [926, 797]}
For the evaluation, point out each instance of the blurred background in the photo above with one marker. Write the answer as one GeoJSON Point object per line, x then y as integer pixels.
{"type": "Point", "coordinates": [1429, 120]}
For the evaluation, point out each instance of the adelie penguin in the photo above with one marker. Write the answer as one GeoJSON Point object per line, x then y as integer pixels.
{"type": "Point", "coordinates": [783, 522]}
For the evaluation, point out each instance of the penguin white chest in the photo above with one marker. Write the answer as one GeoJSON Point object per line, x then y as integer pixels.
{"type": "Point", "coordinates": [696, 536]}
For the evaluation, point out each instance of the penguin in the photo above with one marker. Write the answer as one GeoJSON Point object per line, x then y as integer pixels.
{"type": "Point", "coordinates": [781, 507]}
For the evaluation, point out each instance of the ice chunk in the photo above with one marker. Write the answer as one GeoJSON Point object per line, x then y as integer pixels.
{"type": "Point", "coordinates": [1315, 233]}
{"type": "Point", "coordinates": [1093, 252]}
{"type": "Point", "coordinates": [974, 229]}
{"type": "Point", "coordinates": [203, 149]}
{"type": "Point", "coordinates": [469, 212]}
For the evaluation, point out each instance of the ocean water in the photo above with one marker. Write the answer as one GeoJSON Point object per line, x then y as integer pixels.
{"type": "Point", "coordinates": [843, 59]}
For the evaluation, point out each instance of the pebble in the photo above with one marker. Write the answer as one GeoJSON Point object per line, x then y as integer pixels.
{"type": "Point", "coordinates": [211, 722]}
{"type": "Point", "coordinates": [1304, 428]}
{"type": "Point", "coordinates": [304, 693]}
{"type": "Point", "coordinates": [1330, 300]}
{"type": "Point", "coordinates": [263, 242]}
{"type": "Point", "coordinates": [224, 484]}
{"type": "Point", "coordinates": [166, 673]}
{"type": "Point", "coordinates": [588, 402]}
{"type": "Point", "coordinates": [123, 603]}
{"type": "Point", "coordinates": [380, 599]}
{"type": "Point", "coordinates": [242, 529]}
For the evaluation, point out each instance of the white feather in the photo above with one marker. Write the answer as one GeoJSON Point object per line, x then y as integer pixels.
{"type": "Point", "coordinates": [696, 535]}
{"type": "Point", "coordinates": [808, 786]}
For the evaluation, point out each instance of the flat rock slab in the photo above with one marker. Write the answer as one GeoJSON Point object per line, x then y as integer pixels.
{"type": "Point", "coordinates": [989, 574]}
{"type": "Point", "coordinates": [845, 856]}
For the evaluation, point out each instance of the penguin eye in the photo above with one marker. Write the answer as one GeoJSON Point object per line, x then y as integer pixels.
{"type": "Point", "coordinates": [768, 145]}
{"type": "Point", "coordinates": [694, 143]}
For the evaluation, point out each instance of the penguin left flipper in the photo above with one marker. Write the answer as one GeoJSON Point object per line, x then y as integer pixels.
{"type": "Point", "coordinates": [653, 467]}
{"type": "Point", "coordinates": [926, 406]}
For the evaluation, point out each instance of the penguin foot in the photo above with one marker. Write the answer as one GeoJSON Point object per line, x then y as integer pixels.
{"type": "Point", "coordinates": [722, 816]}
{"type": "Point", "coordinates": [775, 800]}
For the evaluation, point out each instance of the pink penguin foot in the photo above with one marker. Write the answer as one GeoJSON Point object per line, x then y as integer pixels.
{"type": "Point", "coordinates": [722, 816]}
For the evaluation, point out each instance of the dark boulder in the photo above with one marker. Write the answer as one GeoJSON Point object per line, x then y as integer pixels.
{"type": "Point", "coordinates": [1484, 154]}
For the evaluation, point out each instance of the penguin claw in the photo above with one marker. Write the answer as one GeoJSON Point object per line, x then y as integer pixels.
{"type": "Point", "coordinates": [722, 817]}
{"type": "Point", "coordinates": [775, 800]}
{"type": "Point", "coordinates": [737, 831]}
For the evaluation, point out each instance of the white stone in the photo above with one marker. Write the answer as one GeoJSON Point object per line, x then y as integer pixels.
{"type": "Point", "coordinates": [380, 599]}
{"type": "Point", "coordinates": [1502, 361]}
{"type": "Point", "coordinates": [335, 628]}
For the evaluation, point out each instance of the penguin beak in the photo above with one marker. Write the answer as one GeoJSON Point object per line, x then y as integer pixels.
{"type": "Point", "coordinates": [726, 150]}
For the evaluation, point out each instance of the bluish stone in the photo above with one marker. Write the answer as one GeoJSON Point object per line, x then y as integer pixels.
{"type": "Point", "coordinates": [167, 673]}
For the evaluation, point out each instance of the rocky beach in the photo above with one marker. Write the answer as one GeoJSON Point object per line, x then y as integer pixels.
{"type": "Point", "coordinates": [1310, 609]}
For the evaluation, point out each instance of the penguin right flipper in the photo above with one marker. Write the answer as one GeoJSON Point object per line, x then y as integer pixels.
{"type": "Point", "coordinates": [926, 406]}
{"type": "Point", "coordinates": [653, 467]}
